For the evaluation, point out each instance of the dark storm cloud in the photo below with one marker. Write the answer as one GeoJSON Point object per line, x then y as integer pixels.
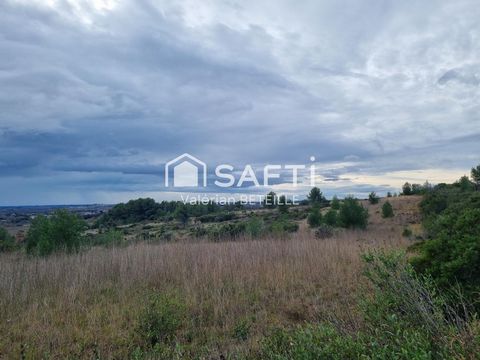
{"type": "Point", "coordinates": [95, 96]}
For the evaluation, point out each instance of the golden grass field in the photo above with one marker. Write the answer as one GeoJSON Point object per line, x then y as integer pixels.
{"type": "Point", "coordinates": [86, 305]}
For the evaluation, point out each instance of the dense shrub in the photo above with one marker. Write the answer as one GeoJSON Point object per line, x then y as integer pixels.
{"type": "Point", "coordinates": [220, 217]}
{"type": "Point", "coordinates": [373, 198]}
{"type": "Point", "coordinates": [110, 237]}
{"type": "Point", "coordinates": [283, 226]}
{"type": "Point", "coordinates": [335, 204]}
{"type": "Point", "coordinates": [147, 209]}
{"type": "Point", "coordinates": [352, 214]}
{"type": "Point", "coordinates": [452, 254]}
{"type": "Point", "coordinates": [254, 227]}
{"type": "Point", "coordinates": [331, 217]}
{"type": "Point", "coordinates": [7, 242]}
{"type": "Point", "coordinates": [133, 211]}
{"type": "Point", "coordinates": [387, 210]}
{"type": "Point", "coordinates": [227, 231]}
{"type": "Point", "coordinates": [407, 232]}
{"type": "Point", "coordinates": [314, 219]}
{"type": "Point", "coordinates": [283, 204]}
{"type": "Point", "coordinates": [61, 231]}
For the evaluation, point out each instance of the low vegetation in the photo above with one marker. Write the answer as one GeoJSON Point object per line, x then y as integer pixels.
{"type": "Point", "coordinates": [7, 242]}
{"type": "Point", "coordinates": [345, 279]}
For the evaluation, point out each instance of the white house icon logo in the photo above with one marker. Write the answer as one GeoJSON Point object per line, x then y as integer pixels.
{"type": "Point", "coordinates": [186, 169]}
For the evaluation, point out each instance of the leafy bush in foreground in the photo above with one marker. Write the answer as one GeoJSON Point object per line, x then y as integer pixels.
{"type": "Point", "coordinates": [453, 255]}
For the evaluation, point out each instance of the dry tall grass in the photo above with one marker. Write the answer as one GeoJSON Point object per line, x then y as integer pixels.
{"type": "Point", "coordinates": [87, 304]}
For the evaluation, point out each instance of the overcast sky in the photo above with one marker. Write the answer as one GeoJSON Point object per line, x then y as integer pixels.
{"type": "Point", "coordinates": [95, 96]}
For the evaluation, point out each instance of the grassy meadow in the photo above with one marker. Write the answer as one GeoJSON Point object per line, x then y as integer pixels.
{"type": "Point", "coordinates": [221, 298]}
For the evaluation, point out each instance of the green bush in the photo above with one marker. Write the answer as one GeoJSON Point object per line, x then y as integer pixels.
{"type": "Point", "coordinates": [373, 198]}
{"type": "Point", "coordinates": [7, 241]}
{"type": "Point", "coordinates": [283, 226]}
{"type": "Point", "coordinates": [227, 231]}
{"type": "Point", "coordinates": [254, 227]}
{"type": "Point", "coordinates": [110, 237]}
{"type": "Point", "coordinates": [330, 217]}
{"type": "Point", "coordinates": [387, 210]}
{"type": "Point", "coordinates": [452, 255]}
{"type": "Point", "coordinates": [160, 319]}
{"type": "Point", "coordinates": [314, 219]}
{"type": "Point", "coordinates": [61, 231]}
{"type": "Point", "coordinates": [335, 204]}
{"type": "Point", "coordinates": [451, 252]}
{"type": "Point", "coordinates": [352, 214]}
{"type": "Point", "coordinates": [283, 204]}
{"type": "Point", "coordinates": [407, 232]}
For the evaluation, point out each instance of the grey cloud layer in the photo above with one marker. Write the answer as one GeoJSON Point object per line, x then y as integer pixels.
{"type": "Point", "coordinates": [94, 100]}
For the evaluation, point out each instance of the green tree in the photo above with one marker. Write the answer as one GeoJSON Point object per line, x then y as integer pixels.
{"type": "Point", "coordinates": [475, 173]}
{"type": "Point", "coordinates": [316, 196]}
{"type": "Point", "coordinates": [352, 214]}
{"type": "Point", "coordinates": [7, 242]}
{"type": "Point", "coordinates": [330, 217]}
{"type": "Point", "coordinates": [373, 198]}
{"type": "Point", "coordinates": [181, 214]}
{"type": "Point", "coordinates": [387, 210]}
{"type": "Point", "coordinates": [465, 184]}
{"type": "Point", "coordinates": [335, 204]}
{"type": "Point", "coordinates": [61, 231]}
{"type": "Point", "coordinates": [389, 194]}
{"type": "Point", "coordinates": [314, 219]}
{"type": "Point", "coordinates": [270, 200]}
{"type": "Point", "coordinates": [282, 204]}
{"type": "Point", "coordinates": [451, 256]}
{"type": "Point", "coordinates": [407, 189]}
